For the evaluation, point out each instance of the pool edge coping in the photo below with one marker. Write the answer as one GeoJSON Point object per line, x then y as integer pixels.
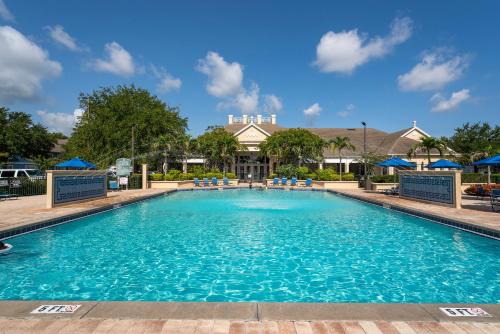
{"type": "Point", "coordinates": [247, 311]}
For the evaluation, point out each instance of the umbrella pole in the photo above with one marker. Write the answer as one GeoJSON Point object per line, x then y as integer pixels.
{"type": "Point", "coordinates": [489, 174]}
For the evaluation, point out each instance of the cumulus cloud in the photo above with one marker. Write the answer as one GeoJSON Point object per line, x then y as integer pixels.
{"type": "Point", "coordinates": [60, 36]}
{"type": "Point", "coordinates": [5, 12]}
{"type": "Point", "coordinates": [347, 110]}
{"type": "Point", "coordinates": [60, 122]}
{"type": "Point", "coordinates": [246, 102]}
{"type": "Point", "coordinates": [23, 67]}
{"type": "Point", "coordinates": [224, 79]}
{"type": "Point", "coordinates": [313, 111]}
{"type": "Point", "coordinates": [118, 61]}
{"type": "Point", "coordinates": [455, 100]}
{"type": "Point", "coordinates": [344, 51]}
{"type": "Point", "coordinates": [272, 103]}
{"type": "Point", "coordinates": [434, 71]}
{"type": "Point", "coordinates": [167, 81]}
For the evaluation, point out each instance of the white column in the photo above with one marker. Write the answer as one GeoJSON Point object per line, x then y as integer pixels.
{"type": "Point", "coordinates": [320, 165]}
{"type": "Point", "coordinates": [346, 167]}
{"type": "Point", "coordinates": [184, 166]}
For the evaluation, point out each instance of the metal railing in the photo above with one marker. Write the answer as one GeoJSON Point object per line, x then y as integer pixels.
{"type": "Point", "coordinates": [23, 186]}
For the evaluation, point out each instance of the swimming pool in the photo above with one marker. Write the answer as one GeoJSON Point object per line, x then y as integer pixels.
{"type": "Point", "coordinates": [250, 245]}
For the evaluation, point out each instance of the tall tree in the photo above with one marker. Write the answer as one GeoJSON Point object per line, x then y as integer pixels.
{"type": "Point", "coordinates": [104, 132]}
{"type": "Point", "coordinates": [217, 146]}
{"type": "Point", "coordinates": [19, 136]}
{"type": "Point", "coordinates": [293, 146]}
{"type": "Point", "coordinates": [339, 144]}
{"type": "Point", "coordinates": [474, 141]}
{"type": "Point", "coordinates": [428, 144]}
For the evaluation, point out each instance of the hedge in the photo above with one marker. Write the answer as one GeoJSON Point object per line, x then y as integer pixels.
{"type": "Point", "coordinates": [384, 178]}
{"type": "Point", "coordinates": [177, 175]}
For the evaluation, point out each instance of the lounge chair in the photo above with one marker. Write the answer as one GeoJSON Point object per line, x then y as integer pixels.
{"type": "Point", "coordinates": [196, 182]}
{"type": "Point", "coordinates": [283, 181]}
{"type": "Point", "coordinates": [225, 181]}
{"type": "Point", "coordinates": [293, 182]}
{"type": "Point", "coordinates": [495, 199]}
{"type": "Point", "coordinates": [394, 191]}
{"type": "Point", "coordinates": [276, 181]}
{"type": "Point", "coordinates": [215, 182]}
{"type": "Point", "coordinates": [309, 182]}
{"type": "Point", "coordinates": [205, 182]}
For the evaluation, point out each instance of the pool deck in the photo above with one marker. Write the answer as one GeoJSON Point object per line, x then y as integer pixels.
{"type": "Point", "coordinates": [243, 318]}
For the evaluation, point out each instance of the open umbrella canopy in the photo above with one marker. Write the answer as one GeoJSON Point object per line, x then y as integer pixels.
{"type": "Point", "coordinates": [492, 161]}
{"type": "Point", "coordinates": [396, 162]}
{"type": "Point", "coordinates": [443, 163]}
{"type": "Point", "coordinates": [76, 163]}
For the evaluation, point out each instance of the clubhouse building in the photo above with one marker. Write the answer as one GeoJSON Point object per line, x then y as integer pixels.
{"type": "Point", "coordinates": [252, 130]}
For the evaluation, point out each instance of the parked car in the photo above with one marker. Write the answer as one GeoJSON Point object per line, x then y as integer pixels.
{"type": "Point", "coordinates": [32, 174]}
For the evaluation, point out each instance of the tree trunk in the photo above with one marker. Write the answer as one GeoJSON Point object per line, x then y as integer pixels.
{"type": "Point", "coordinates": [224, 168]}
{"type": "Point", "coordinates": [429, 157]}
{"type": "Point", "coordinates": [165, 163]}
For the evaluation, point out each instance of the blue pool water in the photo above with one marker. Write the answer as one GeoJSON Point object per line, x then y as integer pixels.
{"type": "Point", "coordinates": [249, 245]}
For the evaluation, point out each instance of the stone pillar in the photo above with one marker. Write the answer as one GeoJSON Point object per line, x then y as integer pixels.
{"type": "Point", "coordinates": [184, 166]}
{"type": "Point", "coordinates": [144, 176]}
{"type": "Point", "coordinates": [50, 190]}
{"type": "Point", "coordinates": [229, 119]}
{"type": "Point", "coordinates": [346, 170]}
{"type": "Point", "coordinates": [320, 165]}
{"type": "Point", "coordinates": [259, 119]}
{"type": "Point", "coordinates": [273, 119]}
{"type": "Point", "coordinates": [245, 119]}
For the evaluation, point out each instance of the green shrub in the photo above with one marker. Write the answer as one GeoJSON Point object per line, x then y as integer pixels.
{"type": "Point", "coordinates": [384, 178]}
{"type": "Point", "coordinates": [173, 175]}
{"type": "Point", "coordinates": [327, 174]}
{"type": "Point", "coordinates": [312, 176]}
{"type": "Point", "coordinates": [273, 175]}
{"type": "Point", "coordinates": [348, 177]}
{"type": "Point", "coordinates": [302, 172]}
{"type": "Point", "coordinates": [156, 177]}
{"type": "Point", "coordinates": [196, 170]}
{"type": "Point", "coordinates": [287, 171]}
{"type": "Point", "coordinates": [212, 174]}
{"type": "Point", "coordinates": [231, 176]}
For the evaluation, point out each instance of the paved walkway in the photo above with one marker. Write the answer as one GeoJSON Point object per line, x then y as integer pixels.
{"type": "Point", "coordinates": [132, 326]}
{"type": "Point", "coordinates": [486, 219]}
{"type": "Point", "coordinates": [31, 209]}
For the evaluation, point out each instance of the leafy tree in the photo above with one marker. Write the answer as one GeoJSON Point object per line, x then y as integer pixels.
{"type": "Point", "coordinates": [217, 146]}
{"type": "Point", "coordinates": [293, 146]}
{"type": "Point", "coordinates": [19, 136]}
{"type": "Point", "coordinates": [427, 144]}
{"type": "Point", "coordinates": [341, 143]}
{"type": "Point", "coordinates": [474, 141]}
{"type": "Point", "coordinates": [371, 158]}
{"type": "Point", "coordinates": [104, 132]}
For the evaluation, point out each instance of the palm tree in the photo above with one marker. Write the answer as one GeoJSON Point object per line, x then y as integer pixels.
{"type": "Point", "coordinates": [427, 144]}
{"type": "Point", "coordinates": [340, 143]}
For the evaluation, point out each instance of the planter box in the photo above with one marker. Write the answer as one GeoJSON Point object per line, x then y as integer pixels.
{"type": "Point", "coordinates": [380, 186]}
{"type": "Point", "coordinates": [337, 184]}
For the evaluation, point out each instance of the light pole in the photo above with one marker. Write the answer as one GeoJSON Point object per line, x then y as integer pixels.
{"type": "Point", "coordinates": [364, 144]}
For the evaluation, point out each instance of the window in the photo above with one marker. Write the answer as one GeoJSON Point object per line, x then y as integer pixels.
{"type": "Point", "coordinates": [21, 173]}
{"type": "Point", "coordinates": [8, 173]}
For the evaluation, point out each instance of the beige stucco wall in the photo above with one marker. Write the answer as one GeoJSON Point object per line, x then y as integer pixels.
{"type": "Point", "coordinates": [251, 134]}
{"type": "Point", "coordinates": [337, 184]}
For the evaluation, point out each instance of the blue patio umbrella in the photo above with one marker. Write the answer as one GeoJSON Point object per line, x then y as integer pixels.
{"type": "Point", "coordinates": [493, 161]}
{"type": "Point", "coordinates": [443, 163]}
{"type": "Point", "coordinates": [396, 162]}
{"type": "Point", "coordinates": [76, 163]}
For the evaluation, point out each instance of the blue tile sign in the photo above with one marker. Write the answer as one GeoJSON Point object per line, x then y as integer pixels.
{"type": "Point", "coordinates": [434, 188]}
{"type": "Point", "coordinates": [76, 188]}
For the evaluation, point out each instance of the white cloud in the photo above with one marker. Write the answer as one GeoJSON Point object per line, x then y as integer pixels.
{"type": "Point", "coordinates": [272, 104]}
{"type": "Point", "coordinates": [60, 36]}
{"type": "Point", "coordinates": [118, 61]}
{"type": "Point", "coordinates": [23, 66]}
{"type": "Point", "coordinates": [344, 51]}
{"type": "Point", "coordinates": [313, 110]}
{"type": "Point", "coordinates": [5, 12]}
{"type": "Point", "coordinates": [225, 79]}
{"type": "Point", "coordinates": [433, 72]}
{"type": "Point", "coordinates": [60, 122]}
{"type": "Point", "coordinates": [456, 98]}
{"type": "Point", "coordinates": [167, 81]}
{"type": "Point", "coordinates": [246, 102]}
{"type": "Point", "coordinates": [347, 110]}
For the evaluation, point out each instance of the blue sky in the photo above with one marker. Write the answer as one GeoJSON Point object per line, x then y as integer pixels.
{"type": "Point", "coordinates": [319, 64]}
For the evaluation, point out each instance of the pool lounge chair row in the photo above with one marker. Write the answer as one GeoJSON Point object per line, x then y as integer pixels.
{"type": "Point", "coordinates": [293, 182]}
{"type": "Point", "coordinates": [206, 183]}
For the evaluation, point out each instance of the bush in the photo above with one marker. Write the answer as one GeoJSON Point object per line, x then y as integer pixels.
{"type": "Point", "coordinates": [384, 178]}
{"type": "Point", "coordinates": [479, 178]}
{"type": "Point", "coordinates": [302, 172]}
{"type": "Point", "coordinates": [173, 175]}
{"type": "Point", "coordinates": [327, 174]}
{"type": "Point", "coordinates": [156, 177]}
{"type": "Point", "coordinates": [312, 176]}
{"type": "Point", "coordinates": [474, 189]}
{"type": "Point", "coordinates": [231, 176]}
{"type": "Point", "coordinates": [287, 171]}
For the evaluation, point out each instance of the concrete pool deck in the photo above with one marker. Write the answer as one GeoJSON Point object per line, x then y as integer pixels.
{"type": "Point", "coordinates": [243, 318]}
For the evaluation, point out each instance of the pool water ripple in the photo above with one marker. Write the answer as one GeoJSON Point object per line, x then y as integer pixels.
{"type": "Point", "coordinates": [248, 245]}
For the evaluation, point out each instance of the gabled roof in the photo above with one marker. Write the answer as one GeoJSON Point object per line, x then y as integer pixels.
{"type": "Point", "coordinates": [269, 128]}
{"type": "Point", "coordinates": [250, 125]}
